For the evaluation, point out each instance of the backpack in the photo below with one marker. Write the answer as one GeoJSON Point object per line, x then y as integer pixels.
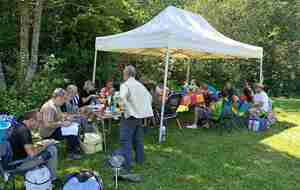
{"type": "Point", "coordinates": [38, 179]}
{"type": "Point", "coordinates": [7, 124]}
{"type": "Point", "coordinates": [217, 110]}
{"type": "Point", "coordinates": [83, 180]}
{"type": "Point", "coordinates": [257, 124]}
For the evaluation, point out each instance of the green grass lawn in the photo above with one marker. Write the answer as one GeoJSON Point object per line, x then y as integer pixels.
{"type": "Point", "coordinates": [203, 159]}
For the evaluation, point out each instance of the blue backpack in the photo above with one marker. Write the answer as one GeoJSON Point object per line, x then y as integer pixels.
{"type": "Point", "coordinates": [7, 123]}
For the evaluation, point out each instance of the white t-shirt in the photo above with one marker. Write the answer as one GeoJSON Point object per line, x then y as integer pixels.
{"type": "Point", "coordinates": [137, 99]}
{"type": "Point", "coordinates": [263, 98]}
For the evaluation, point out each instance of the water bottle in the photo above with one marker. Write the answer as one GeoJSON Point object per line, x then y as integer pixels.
{"type": "Point", "coordinates": [163, 133]}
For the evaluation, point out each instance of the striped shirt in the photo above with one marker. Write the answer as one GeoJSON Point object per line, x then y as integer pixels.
{"type": "Point", "coordinates": [50, 114]}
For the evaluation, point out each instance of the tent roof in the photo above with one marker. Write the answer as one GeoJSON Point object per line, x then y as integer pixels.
{"type": "Point", "coordinates": [184, 33]}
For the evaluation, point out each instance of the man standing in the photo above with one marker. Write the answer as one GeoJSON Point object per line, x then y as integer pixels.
{"type": "Point", "coordinates": [137, 106]}
{"type": "Point", "coordinates": [22, 145]}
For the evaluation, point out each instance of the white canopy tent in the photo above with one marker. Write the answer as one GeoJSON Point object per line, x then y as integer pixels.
{"type": "Point", "coordinates": [180, 34]}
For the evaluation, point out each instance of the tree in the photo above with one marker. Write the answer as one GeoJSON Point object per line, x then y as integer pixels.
{"type": "Point", "coordinates": [36, 28]}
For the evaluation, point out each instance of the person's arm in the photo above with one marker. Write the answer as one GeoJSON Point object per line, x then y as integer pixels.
{"type": "Point", "coordinates": [86, 99]}
{"type": "Point", "coordinates": [31, 150]}
{"type": "Point", "coordinates": [26, 139]}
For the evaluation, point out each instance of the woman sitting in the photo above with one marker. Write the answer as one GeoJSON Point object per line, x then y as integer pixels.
{"type": "Point", "coordinates": [202, 107]}
{"type": "Point", "coordinates": [248, 93]}
{"type": "Point", "coordinates": [158, 96]}
{"type": "Point", "coordinates": [107, 90]}
{"type": "Point", "coordinates": [72, 100]}
{"type": "Point", "coordinates": [88, 94]}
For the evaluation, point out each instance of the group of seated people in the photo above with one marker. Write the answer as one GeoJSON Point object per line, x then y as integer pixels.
{"type": "Point", "coordinates": [54, 120]}
{"type": "Point", "coordinates": [204, 99]}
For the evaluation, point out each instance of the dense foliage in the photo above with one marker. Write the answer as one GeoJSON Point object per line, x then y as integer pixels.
{"type": "Point", "coordinates": [69, 27]}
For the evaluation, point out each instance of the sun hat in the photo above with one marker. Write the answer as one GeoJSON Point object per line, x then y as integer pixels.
{"type": "Point", "coordinates": [260, 85]}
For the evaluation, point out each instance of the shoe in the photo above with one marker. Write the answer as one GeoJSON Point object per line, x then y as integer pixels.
{"type": "Point", "coordinates": [73, 156]}
{"type": "Point", "coordinates": [192, 126]}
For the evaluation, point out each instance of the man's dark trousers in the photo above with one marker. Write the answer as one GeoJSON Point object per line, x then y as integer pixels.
{"type": "Point", "coordinates": [132, 136]}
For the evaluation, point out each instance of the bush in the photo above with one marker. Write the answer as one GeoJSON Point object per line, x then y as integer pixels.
{"type": "Point", "coordinates": [17, 101]}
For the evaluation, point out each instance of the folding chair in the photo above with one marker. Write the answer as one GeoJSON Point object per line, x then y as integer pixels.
{"type": "Point", "coordinates": [222, 116]}
{"type": "Point", "coordinates": [240, 117]}
{"type": "Point", "coordinates": [171, 106]}
{"type": "Point", "coordinates": [10, 169]}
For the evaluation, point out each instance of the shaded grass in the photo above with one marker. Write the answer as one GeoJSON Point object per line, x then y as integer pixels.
{"type": "Point", "coordinates": [203, 160]}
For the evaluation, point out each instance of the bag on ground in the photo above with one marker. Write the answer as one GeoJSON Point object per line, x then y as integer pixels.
{"type": "Point", "coordinates": [84, 180]}
{"type": "Point", "coordinates": [257, 124]}
{"type": "Point", "coordinates": [38, 179]}
{"type": "Point", "coordinates": [92, 143]}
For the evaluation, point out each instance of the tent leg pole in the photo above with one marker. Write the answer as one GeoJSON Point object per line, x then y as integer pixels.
{"type": "Point", "coordinates": [188, 71]}
{"type": "Point", "coordinates": [95, 66]}
{"type": "Point", "coordinates": [261, 78]}
{"type": "Point", "coordinates": [164, 97]}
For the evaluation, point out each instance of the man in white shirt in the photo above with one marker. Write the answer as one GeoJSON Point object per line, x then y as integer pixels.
{"type": "Point", "coordinates": [261, 99]}
{"type": "Point", "coordinates": [137, 106]}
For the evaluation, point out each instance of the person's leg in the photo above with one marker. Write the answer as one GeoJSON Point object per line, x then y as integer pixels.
{"type": "Point", "coordinates": [52, 162]}
{"type": "Point", "coordinates": [57, 135]}
{"type": "Point", "coordinates": [126, 135]}
{"type": "Point", "coordinates": [138, 141]}
{"type": "Point", "coordinates": [73, 141]}
{"type": "Point", "coordinates": [73, 144]}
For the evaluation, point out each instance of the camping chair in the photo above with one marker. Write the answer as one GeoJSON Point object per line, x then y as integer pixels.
{"type": "Point", "coordinates": [171, 106]}
{"type": "Point", "coordinates": [222, 116]}
{"type": "Point", "coordinates": [10, 169]}
{"type": "Point", "coordinates": [240, 114]}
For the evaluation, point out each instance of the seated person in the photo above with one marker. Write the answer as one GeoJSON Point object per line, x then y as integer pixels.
{"type": "Point", "coordinates": [71, 104]}
{"type": "Point", "coordinates": [88, 94]}
{"type": "Point", "coordinates": [107, 91]}
{"type": "Point", "coordinates": [53, 123]}
{"type": "Point", "coordinates": [204, 90]}
{"type": "Point", "coordinates": [260, 101]}
{"type": "Point", "coordinates": [228, 91]}
{"type": "Point", "coordinates": [193, 86]}
{"type": "Point", "coordinates": [202, 109]}
{"type": "Point", "coordinates": [22, 145]}
{"type": "Point", "coordinates": [158, 95]}
{"type": "Point", "coordinates": [248, 92]}
{"type": "Point", "coordinates": [185, 87]}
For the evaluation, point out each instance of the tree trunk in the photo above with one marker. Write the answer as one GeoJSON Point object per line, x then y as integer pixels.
{"type": "Point", "coordinates": [2, 78]}
{"type": "Point", "coordinates": [37, 17]}
{"type": "Point", "coordinates": [24, 38]}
